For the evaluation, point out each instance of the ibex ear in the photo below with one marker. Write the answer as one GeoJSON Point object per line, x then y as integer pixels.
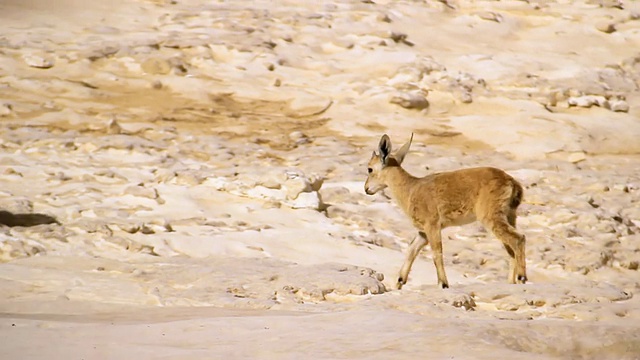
{"type": "Point", "coordinates": [400, 154]}
{"type": "Point", "coordinates": [385, 148]}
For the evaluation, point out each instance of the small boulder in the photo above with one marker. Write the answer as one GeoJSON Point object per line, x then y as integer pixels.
{"type": "Point", "coordinates": [410, 101]}
{"type": "Point", "coordinates": [606, 27]}
{"type": "Point", "coordinates": [39, 62]}
{"type": "Point", "coordinates": [619, 106]}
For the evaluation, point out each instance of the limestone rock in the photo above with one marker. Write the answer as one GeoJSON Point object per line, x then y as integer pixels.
{"type": "Point", "coordinates": [5, 109]}
{"type": "Point", "coordinates": [272, 180]}
{"type": "Point", "coordinates": [577, 157]}
{"type": "Point", "coordinates": [490, 16]}
{"type": "Point", "coordinates": [142, 191]}
{"type": "Point", "coordinates": [410, 101]}
{"type": "Point", "coordinates": [105, 50]}
{"type": "Point", "coordinates": [588, 101]}
{"type": "Point", "coordinates": [299, 138]}
{"type": "Point", "coordinates": [307, 200]}
{"type": "Point", "coordinates": [606, 27]}
{"type": "Point", "coordinates": [156, 66]}
{"type": "Point", "coordinates": [619, 105]}
{"type": "Point", "coordinates": [40, 62]}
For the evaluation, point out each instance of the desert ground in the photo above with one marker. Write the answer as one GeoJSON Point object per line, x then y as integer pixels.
{"type": "Point", "coordinates": [183, 179]}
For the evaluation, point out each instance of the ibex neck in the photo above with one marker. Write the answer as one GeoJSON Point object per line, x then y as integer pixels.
{"type": "Point", "coordinates": [400, 183]}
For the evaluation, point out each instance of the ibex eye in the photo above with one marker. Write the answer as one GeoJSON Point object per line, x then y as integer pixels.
{"type": "Point", "coordinates": [370, 170]}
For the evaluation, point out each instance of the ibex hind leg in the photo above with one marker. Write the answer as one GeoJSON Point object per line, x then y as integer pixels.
{"type": "Point", "coordinates": [511, 219]}
{"type": "Point", "coordinates": [512, 264]}
{"type": "Point", "coordinates": [514, 243]}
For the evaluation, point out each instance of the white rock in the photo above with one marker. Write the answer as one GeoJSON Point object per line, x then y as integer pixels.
{"type": "Point", "coordinates": [490, 16]}
{"type": "Point", "coordinates": [410, 101]}
{"type": "Point", "coordinates": [156, 66]}
{"type": "Point", "coordinates": [619, 106]}
{"type": "Point", "coordinates": [299, 138]}
{"type": "Point", "coordinates": [577, 157]}
{"type": "Point", "coordinates": [307, 200]}
{"type": "Point", "coordinates": [606, 27]}
{"type": "Point", "coordinates": [5, 109]}
{"type": "Point", "coordinates": [272, 179]}
{"type": "Point", "coordinates": [588, 101]}
{"type": "Point", "coordinates": [296, 186]}
{"type": "Point", "coordinates": [465, 97]}
{"type": "Point", "coordinates": [218, 183]}
{"type": "Point", "coordinates": [40, 62]}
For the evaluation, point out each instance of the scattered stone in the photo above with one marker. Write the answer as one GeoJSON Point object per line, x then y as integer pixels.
{"type": "Point", "coordinates": [296, 184]}
{"type": "Point", "coordinates": [316, 182]}
{"type": "Point", "coordinates": [619, 105]}
{"type": "Point", "coordinates": [621, 187]}
{"type": "Point", "coordinates": [272, 180]}
{"type": "Point", "coordinates": [577, 157]}
{"type": "Point", "coordinates": [606, 27]}
{"type": "Point", "coordinates": [142, 191]}
{"type": "Point", "coordinates": [383, 18]}
{"type": "Point", "coordinates": [114, 128]}
{"type": "Point", "coordinates": [39, 62]}
{"type": "Point", "coordinates": [272, 204]}
{"type": "Point", "coordinates": [156, 66]}
{"type": "Point", "coordinates": [130, 228]}
{"type": "Point", "coordinates": [105, 51]}
{"type": "Point", "coordinates": [152, 228]}
{"type": "Point", "coordinates": [190, 177]}
{"type": "Point", "coordinates": [104, 29]}
{"type": "Point", "coordinates": [588, 101]}
{"type": "Point", "coordinates": [6, 109]}
{"type": "Point", "coordinates": [447, 4]}
{"type": "Point", "coordinates": [400, 38]}
{"type": "Point", "coordinates": [463, 301]}
{"type": "Point", "coordinates": [465, 97]}
{"type": "Point", "coordinates": [306, 200]}
{"type": "Point", "coordinates": [410, 101]}
{"type": "Point", "coordinates": [299, 138]}
{"type": "Point", "coordinates": [12, 171]}
{"type": "Point", "coordinates": [336, 194]}
{"type": "Point", "coordinates": [490, 16]}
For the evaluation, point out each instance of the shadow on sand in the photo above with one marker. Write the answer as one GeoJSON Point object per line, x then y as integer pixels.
{"type": "Point", "coordinates": [10, 219]}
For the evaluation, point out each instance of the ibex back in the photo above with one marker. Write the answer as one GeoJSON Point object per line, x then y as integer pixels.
{"type": "Point", "coordinates": [453, 198]}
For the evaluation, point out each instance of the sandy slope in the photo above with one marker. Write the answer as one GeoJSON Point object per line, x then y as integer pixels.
{"type": "Point", "coordinates": [204, 162]}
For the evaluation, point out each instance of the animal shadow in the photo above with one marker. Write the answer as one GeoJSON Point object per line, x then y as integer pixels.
{"type": "Point", "coordinates": [10, 219]}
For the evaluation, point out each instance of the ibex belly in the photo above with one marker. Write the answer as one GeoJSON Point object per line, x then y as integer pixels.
{"type": "Point", "coordinates": [458, 219]}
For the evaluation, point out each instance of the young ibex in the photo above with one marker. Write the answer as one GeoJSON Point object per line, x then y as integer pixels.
{"type": "Point", "coordinates": [445, 199]}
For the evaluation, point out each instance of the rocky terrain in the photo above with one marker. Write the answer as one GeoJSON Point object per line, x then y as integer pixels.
{"type": "Point", "coordinates": [184, 179]}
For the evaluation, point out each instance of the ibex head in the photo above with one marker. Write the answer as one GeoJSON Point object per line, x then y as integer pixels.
{"type": "Point", "coordinates": [382, 160]}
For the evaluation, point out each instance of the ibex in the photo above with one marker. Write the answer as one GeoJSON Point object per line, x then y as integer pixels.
{"type": "Point", "coordinates": [452, 198]}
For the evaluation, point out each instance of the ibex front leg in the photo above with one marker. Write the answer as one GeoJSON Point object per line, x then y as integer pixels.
{"type": "Point", "coordinates": [419, 242]}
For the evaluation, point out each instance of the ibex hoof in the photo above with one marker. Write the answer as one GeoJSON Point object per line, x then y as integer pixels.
{"type": "Point", "coordinates": [400, 282]}
{"type": "Point", "coordinates": [522, 279]}
{"type": "Point", "coordinates": [444, 285]}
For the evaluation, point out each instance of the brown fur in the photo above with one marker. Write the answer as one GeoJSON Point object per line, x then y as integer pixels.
{"type": "Point", "coordinates": [452, 198]}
